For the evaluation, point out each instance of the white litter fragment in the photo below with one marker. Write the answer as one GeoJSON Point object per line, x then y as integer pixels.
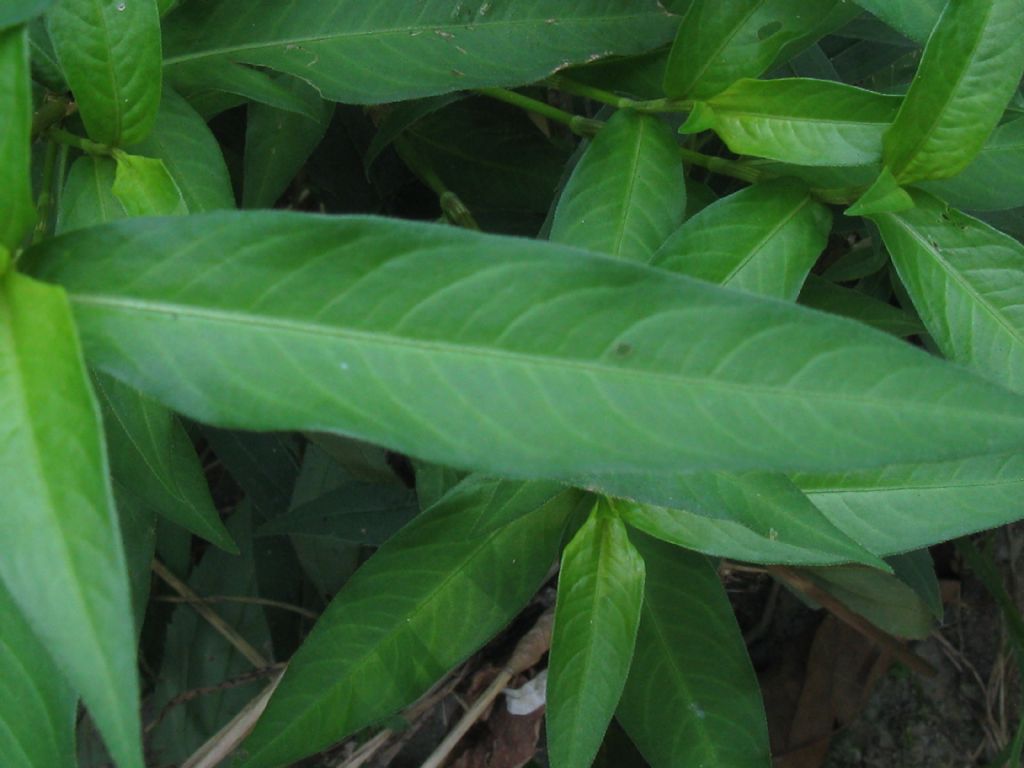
{"type": "Point", "coordinates": [528, 698]}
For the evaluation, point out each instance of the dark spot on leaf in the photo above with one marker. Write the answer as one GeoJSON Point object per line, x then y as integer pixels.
{"type": "Point", "coordinates": [622, 349]}
{"type": "Point", "coordinates": [768, 30]}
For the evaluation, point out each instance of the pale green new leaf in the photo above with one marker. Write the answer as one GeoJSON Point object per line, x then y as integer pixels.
{"type": "Point", "coordinates": [88, 197]}
{"type": "Point", "coordinates": [501, 354]}
{"type": "Point", "coordinates": [152, 457]}
{"type": "Point", "coordinates": [914, 18]}
{"type": "Point", "coordinates": [17, 210]}
{"type": "Point", "coordinates": [110, 53]}
{"type": "Point", "coordinates": [763, 239]}
{"type": "Point", "coordinates": [191, 154]}
{"type": "Point", "coordinates": [37, 708]}
{"type": "Point", "coordinates": [691, 698]}
{"type": "Point", "coordinates": [627, 192]}
{"type": "Point", "coordinates": [994, 181]}
{"type": "Point", "coordinates": [427, 599]}
{"type": "Point", "coordinates": [904, 507]}
{"type": "Point", "coordinates": [278, 142]}
{"type": "Point", "coordinates": [966, 280]}
{"type": "Point", "coordinates": [361, 53]}
{"type": "Point", "coordinates": [600, 593]}
{"type": "Point", "coordinates": [756, 517]}
{"type": "Point", "coordinates": [145, 187]}
{"type": "Point", "coordinates": [970, 68]}
{"type": "Point", "coordinates": [61, 558]}
{"type": "Point", "coordinates": [801, 121]}
{"type": "Point", "coordinates": [721, 42]}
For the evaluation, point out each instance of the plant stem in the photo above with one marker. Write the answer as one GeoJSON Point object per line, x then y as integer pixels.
{"type": "Point", "coordinates": [722, 166]}
{"type": "Point", "coordinates": [621, 102]}
{"type": "Point", "coordinates": [79, 142]}
{"type": "Point", "coordinates": [49, 114]}
{"type": "Point", "coordinates": [581, 126]}
{"type": "Point", "coordinates": [45, 200]}
{"type": "Point", "coordinates": [211, 599]}
{"type": "Point", "coordinates": [453, 207]}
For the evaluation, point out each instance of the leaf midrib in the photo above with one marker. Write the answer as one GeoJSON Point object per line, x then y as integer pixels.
{"type": "Point", "coordinates": [537, 360]}
{"type": "Point", "coordinates": [761, 243]}
{"type": "Point", "coordinates": [394, 31]}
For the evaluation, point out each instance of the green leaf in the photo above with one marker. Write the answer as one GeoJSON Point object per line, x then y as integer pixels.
{"type": "Point", "coordinates": [17, 209]}
{"type": "Point", "coordinates": [916, 569]}
{"type": "Point", "coordinates": [885, 195]}
{"type": "Point", "coordinates": [600, 593]}
{"type": "Point", "coordinates": [152, 457]}
{"type": "Point", "coordinates": [627, 192]}
{"type": "Point", "coordinates": [756, 517]}
{"type": "Point", "coordinates": [881, 598]}
{"type": "Point", "coordinates": [400, 51]}
{"type": "Point", "coordinates": [802, 121]}
{"type": "Point", "coordinates": [400, 118]}
{"type": "Point", "coordinates": [970, 68]}
{"type": "Point", "coordinates": [691, 698]}
{"type": "Point", "coordinates": [829, 297]}
{"type": "Point", "coordinates": [37, 708]}
{"type": "Point", "coordinates": [191, 154]}
{"type": "Point", "coordinates": [610, 342]}
{"type": "Point", "coordinates": [146, 188]}
{"type": "Point", "coordinates": [213, 86]}
{"type": "Point", "coordinates": [15, 12]}
{"type": "Point", "coordinates": [137, 523]}
{"type": "Point", "coordinates": [904, 507]}
{"type": "Point", "coordinates": [914, 18]}
{"type": "Point", "coordinates": [994, 181]}
{"type": "Point", "coordinates": [110, 53]}
{"type": "Point", "coordinates": [763, 239]}
{"type": "Point", "coordinates": [720, 42]}
{"type": "Point", "coordinates": [270, 163]}
{"type": "Point", "coordinates": [965, 281]}
{"type": "Point", "coordinates": [197, 656]}
{"type": "Point", "coordinates": [427, 599]}
{"type": "Point", "coordinates": [61, 558]}
{"type": "Point", "coordinates": [88, 197]}
{"type": "Point", "coordinates": [358, 513]}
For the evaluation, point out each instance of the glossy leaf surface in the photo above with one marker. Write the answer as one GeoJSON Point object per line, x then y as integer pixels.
{"type": "Point", "coordinates": [720, 42]}
{"type": "Point", "coordinates": [566, 332]}
{"type": "Point", "coordinates": [965, 280]}
{"type": "Point", "coordinates": [600, 594]}
{"type": "Point", "coordinates": [801, 121]}
{"type": "Point", "coordinates": [37, 708]}
{"type": "Point", "coordinates": [17, 209]}
{"type": "Point", "coordinates": [62, 559]}
{"type": "Point", "coordinates": [627, 193]}
{"type": "Point", "coordinates": [677, 708]}
{"type": "Point", "coordinates": [392, 51]}
{"type": "Point", "coordinates": [152, 457]}
{"type": "Point", "coordinates": [110, 54]}
{"type": "Point", "coordinates": [427, 599]}
{"type": "Point", "coordinates": [970, 68]}
{"type": "Point", "coordinates": [763, 239]}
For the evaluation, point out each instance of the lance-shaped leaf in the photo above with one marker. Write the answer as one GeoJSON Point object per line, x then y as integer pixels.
{"type": "Point", "coordinates": [600, 593]}
{"type": "Point", "coordinates": [17, 211]}
{"type": "Point", "coordinates": [145, 187]}
{"type": "Point", "coordinates": [994, 181]}
{"type": "Point", "coordinates": [802, 121]}
{"type": "Point", "coordinates": [627, 192]}
{"type": "Point", "coordinates": [61, 558]}
{"type": "Point", "coordinates": [37, 708]}
{"type": "Point", "coordinates": [914, 18]}
{"type": "Point", "coordinates": [970, 68]}
{"type": "Point", "coordinates": [88, 197]}
{"type": "Point", "coordinates": [757, 517]}
{"type": "Point", "coordinates": [905, 507]}
{"type": "Point", "coordinates": [829, 297]}
{"type": "Point", "coordinates": [720, 42]}
{"type": "Point", "coordinates": [152, 457]}
{"type": "Point", "coordinates": [691, 697]}
{"type": "Point", "coordinates": [425, 600]}
{"type": "Point", "coordinates": [392, 51]}
{"type": "Point", "coordinates": [763, 239]}
{"type": "Point", "coordinates": [110, 54]}
{"type": "Point", "coordinates": [500, 354]}
{"type": "Point", "coordinates": [966, 280]}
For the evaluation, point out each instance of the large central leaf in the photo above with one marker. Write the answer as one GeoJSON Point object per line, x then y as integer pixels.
{"type": "Point", "coordinates": [518, 358]}
{"type": "Point", "coordinates": [359, 52]}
